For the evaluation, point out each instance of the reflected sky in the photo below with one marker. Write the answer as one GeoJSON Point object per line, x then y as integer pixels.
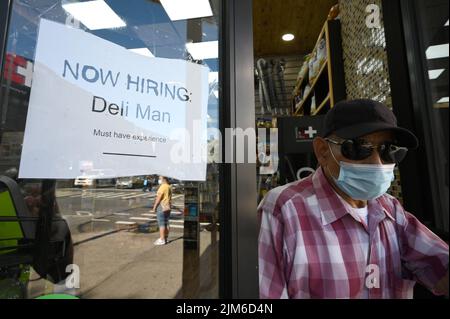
{"type": "Point", "coordinates": [147, 26]}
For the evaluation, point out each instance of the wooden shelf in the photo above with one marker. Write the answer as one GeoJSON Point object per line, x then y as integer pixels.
{"type": "Point", "coordinates": [322, 105]}
{"type": "Point", "coordinates": [321, 36]}
{"type": "Point", "coordinates": [300, 105]}
{"type": "Point", "coordinates": [333, 67]}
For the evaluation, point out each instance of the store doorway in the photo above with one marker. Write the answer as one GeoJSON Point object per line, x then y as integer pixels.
{"type": "Point", "coordinates": [299, 76]}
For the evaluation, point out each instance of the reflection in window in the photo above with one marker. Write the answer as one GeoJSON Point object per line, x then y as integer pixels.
{"type": "Point", "coordinates": [109, 218]}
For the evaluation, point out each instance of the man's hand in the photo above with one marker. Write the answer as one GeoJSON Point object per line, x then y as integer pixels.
{"type": "Point", "coordinates": [442, 286]}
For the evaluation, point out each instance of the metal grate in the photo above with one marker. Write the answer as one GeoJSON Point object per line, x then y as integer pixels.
{"type": "Point", "coordinates": [365, 60]}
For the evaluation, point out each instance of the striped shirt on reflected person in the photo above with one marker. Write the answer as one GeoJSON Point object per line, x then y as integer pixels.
{"type": "Point", "coordinates": [312, 246]}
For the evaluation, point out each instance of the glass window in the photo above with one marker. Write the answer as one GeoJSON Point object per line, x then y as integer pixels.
{"type": "Point", "coordinates": [433, 20]}
{"type": "Point", "coordinates": [110, 215]}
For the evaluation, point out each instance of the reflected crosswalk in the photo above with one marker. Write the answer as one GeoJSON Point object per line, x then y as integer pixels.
{"type": "Point", "coordinates": [147, 218]}
{"type": "Point", "coordinates": [125, 219]}
{"type": "Point", "coordinates": [103, 194]}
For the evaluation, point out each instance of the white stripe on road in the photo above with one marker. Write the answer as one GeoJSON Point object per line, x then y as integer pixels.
{"type": "Point", "coordinates": [74, 196]}
{"type": "Point", "coordinates": [113, 195]}
{"type": "Point", "coordinates": [100, 195]}
{"type": "Point", "coordinates": [142, 218]}
{"type": "Point", "coordinates": [138, 195]}
{"type": "Point", "coordinates": [109, 195]}
{"type": "Point", "coordinates": [65, 194]}
{"type": "Point", "coordinates": [83, 213]}
{"type": "Point", "coordinates": [176, 226]}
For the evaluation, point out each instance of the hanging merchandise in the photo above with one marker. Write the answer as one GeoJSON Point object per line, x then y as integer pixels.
{"type": "Point", "coordinates": [264, 92]}
{"type": "Point", "coordinates": [280, 85]}
{"type": "Point", "coordinates": [272, 87]}
{"type": "Point", "coordinates": [260, 86]}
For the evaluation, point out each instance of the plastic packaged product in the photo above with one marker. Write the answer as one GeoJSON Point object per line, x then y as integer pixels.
{"type": "Point", "coordinates": [303, 70]}
{"type": "Point", "coordinates": [321, 53]}
{"type": "Point", "coordinates": [297, 99]}
{"type": "Point", "coordinates": [306, 92]}
{"type": "Point", "coordinates": [313, 68]}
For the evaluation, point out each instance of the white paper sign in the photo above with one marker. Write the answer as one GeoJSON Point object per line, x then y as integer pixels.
{"type": "Point", "coordinates": [97, 109]}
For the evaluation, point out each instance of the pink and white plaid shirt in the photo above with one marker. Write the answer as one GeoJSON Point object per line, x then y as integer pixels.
{"type": "Point", "coordinates": [312, 246]}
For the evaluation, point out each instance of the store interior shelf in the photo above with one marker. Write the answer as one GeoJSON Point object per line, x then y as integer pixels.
{"type": "Point", "coordinates": [328, 88]}
{"type": "Point", "coordinates": [322, 105]}
{"type": "Point", "coordinates": [300, 105]}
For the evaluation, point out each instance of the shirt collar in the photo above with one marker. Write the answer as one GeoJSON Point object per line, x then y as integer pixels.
{"type": "Point", "coordinates": [332, 208]}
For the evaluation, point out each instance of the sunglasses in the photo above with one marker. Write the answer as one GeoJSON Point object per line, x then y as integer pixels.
{"type": "Point", "coordinates": [358, 150]}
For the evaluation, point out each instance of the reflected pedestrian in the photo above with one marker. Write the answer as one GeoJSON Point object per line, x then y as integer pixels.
{"type": "Point", "coordinates": [162, 207]}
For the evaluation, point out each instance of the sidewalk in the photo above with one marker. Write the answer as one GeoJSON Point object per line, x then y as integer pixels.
{"type": "Point", "coordinates": [128, 265]}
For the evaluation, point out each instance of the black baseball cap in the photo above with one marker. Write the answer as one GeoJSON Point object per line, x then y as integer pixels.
{"type": "Point", "coordinates": [357, 118]}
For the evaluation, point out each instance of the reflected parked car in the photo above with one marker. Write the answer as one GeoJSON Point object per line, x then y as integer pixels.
{"type": "Point", "coordinates": [105, 182]}
{"type": "Point", "coordinates": [130, 182]}
{"type": "Point", "coordinates": [96, 177]}
{"type": "Point", "coordinates": [177, 187]}
{"type": "Point", "coordinates": [84, 181]}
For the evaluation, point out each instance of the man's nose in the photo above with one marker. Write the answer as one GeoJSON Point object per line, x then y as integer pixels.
{"type": "Point", "coordinates": [374, 159]}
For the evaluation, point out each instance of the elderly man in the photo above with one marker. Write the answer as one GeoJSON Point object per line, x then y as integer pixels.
{"type": "Point", "coordinates": [337, 234]}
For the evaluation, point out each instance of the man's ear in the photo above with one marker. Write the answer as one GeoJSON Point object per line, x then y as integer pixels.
{"type": "Point", "coordinates": [321, 150]}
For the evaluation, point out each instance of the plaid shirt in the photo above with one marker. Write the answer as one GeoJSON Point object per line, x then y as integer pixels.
{"type": "Point", "coordinates": [312, 246]}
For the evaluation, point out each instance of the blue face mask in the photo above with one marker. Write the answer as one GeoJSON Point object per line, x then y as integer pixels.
{"type": "Point", "coordinates": [364, 181]}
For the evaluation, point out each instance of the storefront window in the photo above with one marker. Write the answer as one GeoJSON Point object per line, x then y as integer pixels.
{"type": "Point", "coordinates": [142, 70]}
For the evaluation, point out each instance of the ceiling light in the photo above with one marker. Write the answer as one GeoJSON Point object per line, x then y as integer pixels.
{"type": "Point", "coordinates": [288, 37]}
{"type": "Point", "coordinates": [95, 15]}
{"type": "Point", "coordinates": [446, 24]}
{"type": "Point", "coordinates": [443, 100]}
{"type": "Point", "coordinates": [187, 9]}
{"type": "Point", "coordinates": [143, 51]}
{"type": "Point", "coordinates": [204, 50]}
{"type": "Point", "coordinates": [437, 51]}
{"type": "Point", "coordinates": [434, 74]}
